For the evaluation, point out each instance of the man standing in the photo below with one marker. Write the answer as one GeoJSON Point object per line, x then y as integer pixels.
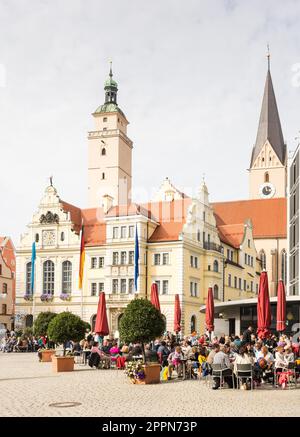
{"type": "Point", "coordinates": [247, 335]}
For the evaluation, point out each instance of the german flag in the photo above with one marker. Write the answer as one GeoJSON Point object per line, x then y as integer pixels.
{"type": "Point", "coordinates": [82, 258]}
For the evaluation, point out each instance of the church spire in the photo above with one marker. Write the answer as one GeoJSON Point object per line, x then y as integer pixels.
{"type": "Point", "coordinates": [111, 88]}
{"type": "Point", "coordinates": [269, 127]}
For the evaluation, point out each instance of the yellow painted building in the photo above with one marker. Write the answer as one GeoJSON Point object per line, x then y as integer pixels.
{"type": "Point", "coordinates": [186, 244]}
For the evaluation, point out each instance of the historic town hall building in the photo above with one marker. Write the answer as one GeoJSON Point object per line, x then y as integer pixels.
{"type": "Point", "coordinates": [185, 244]}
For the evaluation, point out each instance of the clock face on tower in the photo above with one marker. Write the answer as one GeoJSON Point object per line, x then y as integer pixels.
{"type": "Point", "coordinates": [267, 190]}
{"type": "Point", "coordinates": [48, 238]}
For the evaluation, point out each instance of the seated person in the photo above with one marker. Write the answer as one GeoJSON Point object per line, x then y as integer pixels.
{"type": "Point", "coordinates": [280, 362]}
{"type": "Point", "coordinates": [288, 354]}
{"type": "Point", "coordinates": [264, 365]}
{"type": "Point", "coordinates": [150, 355]}
{"type": "Point", "coordinates": [114, 351]}
{"type": "Point", "coordinates": [175, 361]}
{"type": "Point", "coordinates": [222, 358]}
{"type": "Point", "coordinates": [163, 351]}
{"type": "Point", "coordinates": [103, 357]}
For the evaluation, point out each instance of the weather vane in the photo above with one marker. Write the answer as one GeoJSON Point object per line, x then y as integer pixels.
{"type": "Point", "coordinates": [268, 55]}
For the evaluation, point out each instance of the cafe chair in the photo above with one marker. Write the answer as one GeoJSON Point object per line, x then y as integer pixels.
{"type": "Point", "coordinates": [244, 371]}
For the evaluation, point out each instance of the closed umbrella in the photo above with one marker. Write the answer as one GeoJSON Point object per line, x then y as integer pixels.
{"type": "Point", "coordinates": [210, 311]}
{"type": "Point", "coordinates": [154, 296]}
{"type": "Point", "coordinates": [263, 307]}
{"type": "Point", "coordinates": [177, 314]}
{"type": "Point", "coordinates": [281, 307]}
{"type": "Point", "coordinates": [101, 325]}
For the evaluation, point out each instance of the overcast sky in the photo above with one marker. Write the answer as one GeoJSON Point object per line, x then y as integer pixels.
{"type": "Point", "coordinates": [190, 73]}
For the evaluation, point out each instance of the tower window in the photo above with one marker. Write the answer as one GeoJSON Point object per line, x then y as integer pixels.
{"type": "Point", "coordinates": [103, 176]}
{"type": "Point", "coordinates": [267, 177]}
{"type": "Point", "coordinates": [263, 159]}
{"type": "Point", "coordinates": [103, 152]}
{"type": "Point", "coordinates": [104, 119]}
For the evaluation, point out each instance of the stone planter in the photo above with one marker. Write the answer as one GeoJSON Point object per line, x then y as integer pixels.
{"type": "Point", "coordinates": [47, 355]}
{"type": "Point", "coordinates": [152, 373]}
{"type": "Point", "coordinates": [62, 364]}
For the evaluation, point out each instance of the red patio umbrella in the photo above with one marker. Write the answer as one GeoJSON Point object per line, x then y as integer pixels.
{"type": "Point", "coordinates": [177, 314]}
{"type": "Point", "coordinates": [210, 311]}
{"type": "Point", "coordinates": [154, 296]}
{"type": "Point", "coordinates": [101, 325]}
{"type": "Point", "coordinates": [263, 307]}
{"type": "Point", "coordinates": [281, 307]}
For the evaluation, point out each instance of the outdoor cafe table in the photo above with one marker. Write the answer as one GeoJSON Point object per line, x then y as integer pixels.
{"type": "Point", "coordinates": [85, 354]}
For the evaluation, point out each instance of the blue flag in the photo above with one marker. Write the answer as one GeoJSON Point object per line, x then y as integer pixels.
{"type": "Point", "coordinates": [33, 257]}
{"type": "Point", "coordinates": [136, 259]}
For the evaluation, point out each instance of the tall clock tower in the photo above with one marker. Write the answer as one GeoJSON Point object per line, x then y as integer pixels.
{"type": "Point", "coordinates": [268, 166]}
{"type": "Point", "coordinates": [109, 153]}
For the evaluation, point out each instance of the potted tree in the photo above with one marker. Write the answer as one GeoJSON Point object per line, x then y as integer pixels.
{"type": "Point", "coordinates": [65, 327]}
{"type": "Point", "coordinates": [40, 328]}
{"type": "Point", "coordinates": [142, 323]}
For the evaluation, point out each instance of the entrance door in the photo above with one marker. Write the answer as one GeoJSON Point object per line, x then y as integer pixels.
{"type": "Point", "coordinates": [231, 326]}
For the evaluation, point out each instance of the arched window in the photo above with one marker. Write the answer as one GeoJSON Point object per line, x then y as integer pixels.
{"type": "Point", "coordinates": [29, 321]}
{"type": "Point", "coordinates": [103, 151]}
{"type": "Point", "coordinates": [93, 322]}
{"type": "Point", "coordinates": [4, 288]}
{"type": "Point", "coordinates": [216, 292]}
{"type": "Point", "coordinates": [62, 236]}
{"type": "Point", "coordinates": [28, 278]}
{"type": "Point", "coordinates": [262, 257]}
{"type": "Point", "coordinates": [283, 263]}
{"type": "Point", "coordinates": [267, 177]}
{"type": "Point", "coordinates": [216, 266]}
{"type": "Point", "coordinates": [193, 324]}
{"type": "Point", "coordinates": [119, 320]}
{"type": "Point", "coordinates": [37, 238]}
{"type": "Point", "coordinates": [103, 176]}
{"type": "Point", "coordinates": [67, 277]}
{"type": "Point", "coordinates": [48, 277]}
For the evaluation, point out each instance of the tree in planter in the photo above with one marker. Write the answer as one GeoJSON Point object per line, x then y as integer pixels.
{"type": "Point", "coordinates": [141, 322]}
{"type": "Point", "coordinates": [64, 327]}
{"type": "Point", "coordinates": [42, 321]}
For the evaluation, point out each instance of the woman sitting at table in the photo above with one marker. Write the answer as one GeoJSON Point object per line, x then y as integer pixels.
{"type": "Point", "coordinates": [175, 361]}
{"type": "Point", "coordinates": [114, 351]}
{"type": "Point", "coordinates": [288, 354]}
{"type": "Point", "coordinates": [280, 362]}
{"type": "Point", "coordinates": [103, 357]}
{"type": "Point", "coordinates": [243, 357]}
{"type": "Point", "coordinates": [264, 367]}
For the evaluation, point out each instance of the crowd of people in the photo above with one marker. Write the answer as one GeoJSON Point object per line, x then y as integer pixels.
{"type": "Point", "coordinates": [17, 342]}
{"type": "Point", "coordinates": [193, 356]}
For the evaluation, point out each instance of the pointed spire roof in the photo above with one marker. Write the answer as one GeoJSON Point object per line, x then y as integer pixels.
{"type": "Point", "coordinates": [269, 127]}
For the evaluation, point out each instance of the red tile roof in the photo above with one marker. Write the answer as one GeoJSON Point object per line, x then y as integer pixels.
{"type": "Point", "coordinates": [171, 216]}
{"type": "Point", "coordinates": [268, 215]}
{"type": "Point", "coordinates": [232, 234]}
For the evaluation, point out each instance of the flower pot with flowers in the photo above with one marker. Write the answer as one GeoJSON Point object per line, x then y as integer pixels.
{"type": "Point", "coordinates": [141, 323]}
{"type": "Point", "coordinates": [47, 297]}
{"type": "Point", "coordinates": [135, 372]}
{"type": "Point", "coordinates": [63, 328]}
{"type": "Point", "coordinates": [28, 297]}
{"type": "Point", "coordinates": [65, 296]}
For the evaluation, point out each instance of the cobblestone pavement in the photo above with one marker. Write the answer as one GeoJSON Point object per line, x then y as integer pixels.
{"type": "Point", "coordinates": [27, 387]}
